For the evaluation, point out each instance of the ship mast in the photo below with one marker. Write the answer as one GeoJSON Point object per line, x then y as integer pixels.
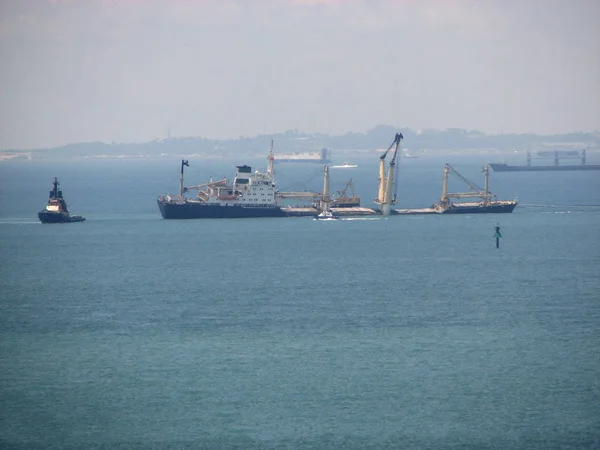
{"type": "Point", "coordinates": [183, 163]}
{"type": "Point", "coordinates": [54, 191]}
{"type": "Point", "coordinates": [270, 165]}
{"type": "Point", "coordinates": [486, 171]}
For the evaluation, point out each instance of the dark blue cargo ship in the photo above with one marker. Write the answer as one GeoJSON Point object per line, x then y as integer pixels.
{"type": "Point", "coordinates": [250, 195]}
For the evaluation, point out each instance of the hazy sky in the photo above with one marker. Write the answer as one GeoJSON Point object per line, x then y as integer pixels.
{"type": "Point", "coordinates": [86, 70]}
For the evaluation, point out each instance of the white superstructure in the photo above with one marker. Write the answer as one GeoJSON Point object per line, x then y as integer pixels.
{"type": "Point", "coordinates": [248, 189]}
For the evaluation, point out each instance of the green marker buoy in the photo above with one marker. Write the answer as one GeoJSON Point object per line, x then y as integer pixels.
{"type": "Point", "coordinates": [497, 235]}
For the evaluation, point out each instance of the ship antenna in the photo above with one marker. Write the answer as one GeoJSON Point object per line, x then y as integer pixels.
{"type": "Point", "coordinates": [55, 187]}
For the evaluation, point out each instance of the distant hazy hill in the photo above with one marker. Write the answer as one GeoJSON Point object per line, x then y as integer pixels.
{"type": "Point", "coordinates": [293, 140]}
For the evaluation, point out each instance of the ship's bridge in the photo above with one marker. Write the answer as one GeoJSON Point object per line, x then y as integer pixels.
{"type": "Point", "coordinates": [243, 175]}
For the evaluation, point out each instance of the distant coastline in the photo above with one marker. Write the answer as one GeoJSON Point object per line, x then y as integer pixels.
{"type": "Point", "coordinates": [421, 143]}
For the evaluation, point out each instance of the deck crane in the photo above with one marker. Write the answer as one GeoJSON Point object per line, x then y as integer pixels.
{"type": "Point", "coordinates": [325, 198]}
{"type": "Point", "coordinates": [388, 184]}
{"type": "Point", "coordinates": [341, 198]}
{"type": "Point", "coordinates": [477, 192]}
{"type": "Point", "coordinates": [218, 183]}
{"type": "Point", "coordinates": [381, 192]}
{"type": "Point", "coordinates": [203, 189]}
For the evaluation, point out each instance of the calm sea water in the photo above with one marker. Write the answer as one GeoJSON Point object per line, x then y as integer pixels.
{"type": "Point", "coordinates": [132, 332]}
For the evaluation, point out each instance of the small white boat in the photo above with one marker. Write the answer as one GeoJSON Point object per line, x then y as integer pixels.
{"type": "Point", "coordinates": [327, 215]}
{"type": "Point", "coordinates": [346, 165]}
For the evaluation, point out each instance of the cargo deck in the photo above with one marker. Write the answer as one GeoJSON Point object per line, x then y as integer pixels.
{"type": "Point", "coordinates": [356, 211]}
{"type": "Point", "coordinates": [414, 211]}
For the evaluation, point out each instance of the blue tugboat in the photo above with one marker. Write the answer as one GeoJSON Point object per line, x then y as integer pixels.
{"type": "Point", "coordinates": [56, 210]}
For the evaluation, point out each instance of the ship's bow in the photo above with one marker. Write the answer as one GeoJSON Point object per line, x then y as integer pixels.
{"type": "Point", "coordinates": [161, 208]}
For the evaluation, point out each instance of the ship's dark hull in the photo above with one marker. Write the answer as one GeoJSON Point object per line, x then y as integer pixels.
{"type": "Point", "coordinates": [507, 168]}
{"type": "Point", "coordinates": [487, 209]}
{"type": "Point", "coordinates": [196, 210]}
{"type": "Point", "coordinates": [53, 217]}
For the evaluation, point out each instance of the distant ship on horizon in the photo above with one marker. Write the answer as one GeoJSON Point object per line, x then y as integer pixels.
{"type": "Point", "coordinates": [503, 167]}
{"type": "Point", "coordinates": [346, 165]}
{"type": "Point", "coordinates": [322, 156]}
{"type": "Point", "coordinates": [406, 153]}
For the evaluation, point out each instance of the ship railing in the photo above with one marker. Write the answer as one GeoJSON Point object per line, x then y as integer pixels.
{"type": "Point", "coordinates": [172, 198]}
{"type": "Point", "coordinates": [297, 195]}
{"type": "Point", "coordinates": [260, 205]}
